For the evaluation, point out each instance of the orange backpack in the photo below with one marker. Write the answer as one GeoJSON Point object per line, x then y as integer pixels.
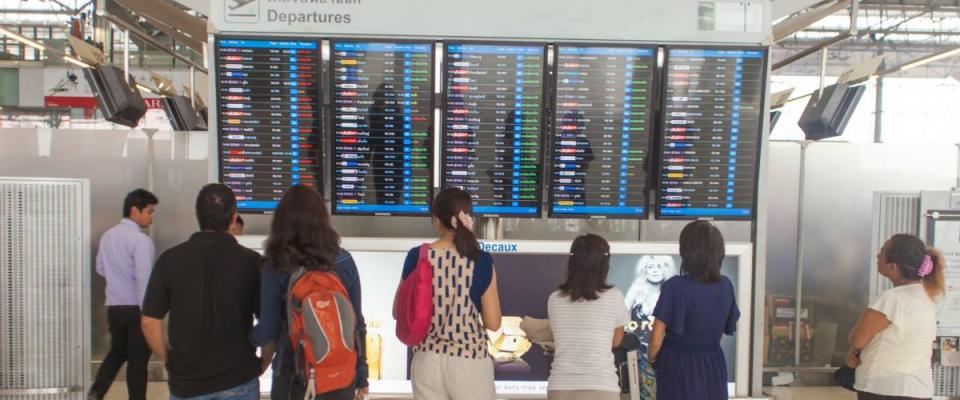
{"type": "Point", "coordinates": [322, 326]}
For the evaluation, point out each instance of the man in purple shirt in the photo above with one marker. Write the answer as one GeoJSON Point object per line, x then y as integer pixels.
{"type": "Point", "coordinates": [125, 259]}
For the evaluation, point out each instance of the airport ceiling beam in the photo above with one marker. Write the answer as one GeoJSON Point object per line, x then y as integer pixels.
{"type": "Point", "coordinates": [65, 7]}
{"type": "Point", "coordinates": [201, 6]}
{"type": "Point", "coordinates": [164, 47]}
{"type": "Point", "coordinates": [39, 12]}
{"type": "Point", "coordinates": [119, 11]}
{"type": "Point", "coordinates": [912, 3]}
{"type": "Point", "coordinates": [812, 49]}
{"type": "Point", "coordinates": [789, 26]}
{"type": "Point", "coordinates": [927, 59]}
{"type": "Point", "coordinates": [844, 35]}
{"type": "Point", "coordinates": [783, 8]}
{"type": "Point", "coordinates": [168, 18]}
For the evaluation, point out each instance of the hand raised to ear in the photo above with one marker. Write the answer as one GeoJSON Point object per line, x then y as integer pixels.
{"type": "Point", "coordinates": [466, 219]}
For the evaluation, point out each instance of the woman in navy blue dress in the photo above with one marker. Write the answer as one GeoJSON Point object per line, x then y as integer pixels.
{"type": "Point", "coordinates": [695, 309]}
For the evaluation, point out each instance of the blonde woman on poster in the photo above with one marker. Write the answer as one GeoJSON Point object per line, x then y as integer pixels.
{"type": "Point", "coordinates": [650, 273]}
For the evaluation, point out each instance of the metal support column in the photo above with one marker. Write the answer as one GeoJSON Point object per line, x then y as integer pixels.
{"type": "Point", "coordinates": [193, 82]}
{"type": "Point", "coordinates": [126, 55]}
{"type": "Point", "coordinates": [799, 273]}
{"type": "Point", "coordinates": [151, 166]}
{"type": "Point", "coordinates": [854, 12]}
{"type": "Point", "coordinates": [823, 72]}
{"type": "Point", "coordinates": [878, 112]}
{"type": "Point", "coordinates": [957, 188]}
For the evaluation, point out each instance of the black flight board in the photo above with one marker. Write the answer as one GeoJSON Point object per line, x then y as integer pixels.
{"type": "Point", "coordinates": [492, 126]}
{"type": "Point", "coordinates": [601, 131]}
{"type": "Point", "coordinates": [382, 121]}
{"type": "Point", "coordinates": [711, 133]}
{"type": "Point", "coordinates": [268, 119]}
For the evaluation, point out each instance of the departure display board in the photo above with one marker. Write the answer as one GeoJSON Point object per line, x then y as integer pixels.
{"type": "Point", "coordinates": [601, 131]}
{"type": "Point", "coordinates": [492, 126]}
{"type": "Point", "coordinates": [268, 118]}
{"type": "Point", "coordinates": [711, 132]}
{"type": "Point", "coordinates": [382, 124]}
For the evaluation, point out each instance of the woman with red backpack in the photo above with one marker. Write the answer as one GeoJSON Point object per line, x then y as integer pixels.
{"type": "Point", "coordinates": [307, 274]}
{"type": "Point", "coordinates": [450, 358]}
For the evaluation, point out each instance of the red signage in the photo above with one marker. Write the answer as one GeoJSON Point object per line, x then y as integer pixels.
{"type": "Point", "coordinates": [153, 103]}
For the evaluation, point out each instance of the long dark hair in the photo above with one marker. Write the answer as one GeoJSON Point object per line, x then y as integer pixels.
{"type": "Point", "coordinates": [587, 268]}
{"type": "Point", "coordinates": [906, 252]}
{"type": "Point", "coordinates": [300, 234]}
{"type": "Point", "coordinates": [701, 251]}
{"type": "Point", "coordinates": [447, 205]}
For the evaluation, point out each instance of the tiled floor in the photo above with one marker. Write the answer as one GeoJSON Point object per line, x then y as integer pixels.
{"type": "Point", "coordinates": [158, 391]}
{"type": "Point", "coordinates": [155, 391]}
{"type": "Point", "coordinates": [809, 393]}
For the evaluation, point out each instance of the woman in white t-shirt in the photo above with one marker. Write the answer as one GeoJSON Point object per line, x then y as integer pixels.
{"type": "Point", "coordinates": [587, 316]}
{"type": "Point", "coordinates": [891, 345]}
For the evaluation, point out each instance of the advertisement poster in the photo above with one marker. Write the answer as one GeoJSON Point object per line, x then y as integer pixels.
{"type": "Point", "coordinates": [649, 274]}
{"type": "Point", "coordinates": [640, 277]}
{"type": "Point", "coordinates": [946, 238]}
{"type": "Point", "coordinates": [949, 353]}
{"type": "Point", "coordinates": [525, 282]}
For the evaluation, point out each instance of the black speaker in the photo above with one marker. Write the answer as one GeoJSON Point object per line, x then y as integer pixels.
{"type": "Point", "coordinates": [119, 101]}
{"type": "Point", "coordinates": [182, 116]}
{"type": "Point", "coordinates": [827, 115]}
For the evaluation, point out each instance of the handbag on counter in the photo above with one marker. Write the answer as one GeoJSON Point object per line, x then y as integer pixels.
{"type": "Point", "coordinates": [845, 377]}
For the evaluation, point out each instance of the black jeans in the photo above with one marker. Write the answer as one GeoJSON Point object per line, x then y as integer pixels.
{"type": "Point", "coordinates": [127, 344]}
{"type": "Point", "coordinates": [872, 396]}
{"type": "Point", "coordinates": [286, 386]}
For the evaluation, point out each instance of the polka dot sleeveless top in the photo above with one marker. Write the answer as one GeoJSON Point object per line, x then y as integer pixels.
{"type": "Point", "coordinates": [456, 329]}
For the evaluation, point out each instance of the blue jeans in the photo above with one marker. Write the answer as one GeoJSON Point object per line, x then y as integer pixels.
{"type": "Point", "coordinates": [246, 391]}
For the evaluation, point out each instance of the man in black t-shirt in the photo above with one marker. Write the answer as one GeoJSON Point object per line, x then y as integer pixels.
{"type": "Point", "coordinates": [210, 287]}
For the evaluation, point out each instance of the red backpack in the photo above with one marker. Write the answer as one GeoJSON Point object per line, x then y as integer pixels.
{"type": "Point", "coordinates": [322, 326]}
{"type": "Point", "coordinates": [414, 306]}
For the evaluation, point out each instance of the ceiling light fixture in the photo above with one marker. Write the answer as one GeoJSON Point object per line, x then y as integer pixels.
{"type": "Point", "coordinates": [922, 61]}
{"type": "Point", "coordinates": [76, 62]}
{"type": "Point", "coordinates": [22, 39]}
{"type": "Point", "coordinates": [147, 89]}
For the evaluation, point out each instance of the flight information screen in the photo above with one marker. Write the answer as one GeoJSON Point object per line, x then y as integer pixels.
{"type": "Point", "coordinates": [601, 131]}
{"type": "Point", "coordinates": [268, 121]}
{"type": "Point", "coordinates": [492, 126]}
{"type": "Point", "coordinates": [382, 160]}
{"type": "Point", "coordinates": [711, 133]}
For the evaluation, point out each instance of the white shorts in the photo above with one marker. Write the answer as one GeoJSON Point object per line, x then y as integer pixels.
{"type": "Point", "coordinates": [582, 395]}
{"type": "Point", "coordinates": [442, 377]}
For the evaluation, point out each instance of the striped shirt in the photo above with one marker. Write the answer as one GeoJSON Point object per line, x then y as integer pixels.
{"type": "Point", "coordinates": [583, 336]}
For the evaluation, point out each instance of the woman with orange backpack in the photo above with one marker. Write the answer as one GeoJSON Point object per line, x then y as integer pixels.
{"type": "Point", "coordinates": [450, 358]}
{"type": "Point", "coordinates": [309, 282]}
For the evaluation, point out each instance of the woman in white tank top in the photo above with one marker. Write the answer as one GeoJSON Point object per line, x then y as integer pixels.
{"type": "Point", "coordinates": [890, 346]}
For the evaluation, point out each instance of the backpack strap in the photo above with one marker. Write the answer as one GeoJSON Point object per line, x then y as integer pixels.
{"type": "Point", "coordinates": [424, 253]}
{"type": "Point", "coordinates": [294, 304]}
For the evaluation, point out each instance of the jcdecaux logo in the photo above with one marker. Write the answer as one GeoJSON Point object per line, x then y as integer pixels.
{"type": "Point", "coordinates": [499, 247]}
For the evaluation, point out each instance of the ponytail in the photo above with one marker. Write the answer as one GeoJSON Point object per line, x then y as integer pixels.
{"type": "Point", "coordinates": [453, 208]}
{"type": "Point", "coordinates": [466, 242]}
{"type": "Point", "coordinates": [934, 281]}
{"type": "Point", "coordinates": [917, 262]}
